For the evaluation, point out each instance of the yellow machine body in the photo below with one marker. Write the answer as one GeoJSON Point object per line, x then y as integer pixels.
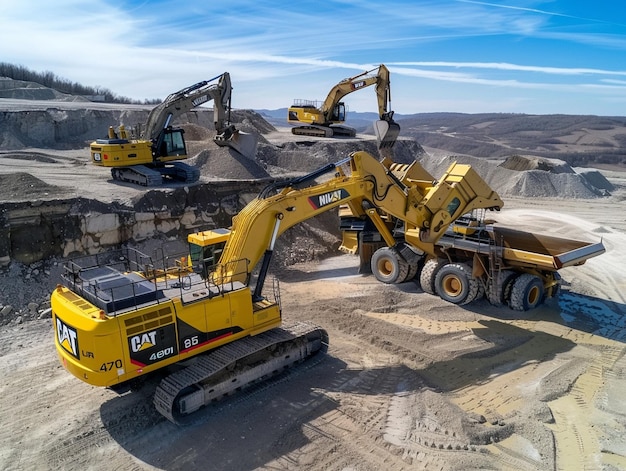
{"type": "Point", "coordinates": [121, 315]}
{"type": "Point", "coordinates": [167, 318]}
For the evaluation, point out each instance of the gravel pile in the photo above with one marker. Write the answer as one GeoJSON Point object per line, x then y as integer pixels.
{"type": "Point", "coordinates": [522, 163]}
{"type": "Point", "coordinates": [20, 185]}
{"type": "Point", "coordinates": [596, 178]}
{"type": "Point", "coordinates": [523, 182]}
{"type": "Point", "coordinates": [225, 163]}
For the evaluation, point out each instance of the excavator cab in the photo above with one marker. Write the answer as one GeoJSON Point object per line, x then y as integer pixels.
{"type": "Point", "coordinates": [339, 113]}
{"type": "Point", "coordinates": [205, 249]}
{"type": "Point", "coordinates": [172, 143]}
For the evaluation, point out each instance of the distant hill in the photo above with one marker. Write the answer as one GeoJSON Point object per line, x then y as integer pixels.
{"type": "Point", "coordinates": [25, 90]}
{"type": "Point", "coordinates": [20, 82]}
{"type": "Point", "coordinates": [578, 140]}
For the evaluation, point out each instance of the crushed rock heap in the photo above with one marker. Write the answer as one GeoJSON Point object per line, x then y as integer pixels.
{"type": "Point", "coordinates": [530, 177]}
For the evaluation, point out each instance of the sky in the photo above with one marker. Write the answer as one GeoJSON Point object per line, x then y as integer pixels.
{"type": "Point", "coordinates": [514, 56]}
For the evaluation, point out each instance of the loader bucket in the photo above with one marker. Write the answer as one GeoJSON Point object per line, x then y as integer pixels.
{"type": "Point", "coordinates": [386, 133]}
{"type": "Point", "coordinates": [242, 142]}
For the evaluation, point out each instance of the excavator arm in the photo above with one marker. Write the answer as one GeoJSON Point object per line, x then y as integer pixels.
{"type": "Point", "coordinates": [182, 101]}
{"type": "Point", "coordinates": [188, 98]}
{"type": "Point", "coordinates": [352, 84]}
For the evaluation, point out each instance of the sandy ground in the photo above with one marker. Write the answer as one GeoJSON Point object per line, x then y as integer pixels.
{"type": "Point", "coordinates": [409, 382]}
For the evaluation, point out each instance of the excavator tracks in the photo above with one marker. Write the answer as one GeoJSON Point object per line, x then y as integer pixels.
{"type": "Point", "coordinates": [138, 175]}
{"type": "Point", "coordinates": [185, 173]}
{"type": "Point", "coordinates": [314, 131]}
{"type": "Point", "coordinates": [323, 131]}
{"type": "Point", "coordinates": [147, 176]}
{"type": "Point", "coordinates": [234, 366]}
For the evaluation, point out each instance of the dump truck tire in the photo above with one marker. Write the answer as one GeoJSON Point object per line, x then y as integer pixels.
{"type": "Point", "coordinates": [527, 292]}
{"type": "Point", "coordinates": [428, 273]}
{"type": "Point", "coordinates": [454, 283]}
{"type": "Point", "coordinates": [499, 289]}
{"type": "Point", "coordinates": [388, 266]}
{"type": "Point", "coordinates": [413, 269]}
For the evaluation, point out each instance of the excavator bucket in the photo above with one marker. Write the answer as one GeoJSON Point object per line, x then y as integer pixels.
{"type": "Point", "coordinates": [242, 142]}
{"type": "Point", "coordinates": [386, 133]}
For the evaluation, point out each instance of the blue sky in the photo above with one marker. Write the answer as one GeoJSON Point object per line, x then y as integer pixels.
{"type": "Point", "coordinates": [520, 56]}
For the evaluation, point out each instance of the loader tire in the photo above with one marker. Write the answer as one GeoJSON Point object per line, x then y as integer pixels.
{"type": "Point", "coordinates": [454, 283]}
{"type": "Point", "coordinates": [527, 292]}
{"type": "Point", "coordinates": [429, 271]}
{"type": "Point", "coordinates": [388, 266]}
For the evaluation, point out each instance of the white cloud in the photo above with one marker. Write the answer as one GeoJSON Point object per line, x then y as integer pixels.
{"type": "Point", "coordinates": [515, 67]}
{"type": "Point", "coordinates": [149, 49]}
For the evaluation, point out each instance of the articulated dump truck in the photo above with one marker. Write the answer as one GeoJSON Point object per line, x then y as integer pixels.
{"type": "Point", "coordinates": [475, 257]}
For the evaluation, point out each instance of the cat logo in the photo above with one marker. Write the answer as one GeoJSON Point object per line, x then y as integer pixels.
{"type": "Point", "coordinates": [67, 338]}
{"type": "Point", "coordinates": [143, 341]}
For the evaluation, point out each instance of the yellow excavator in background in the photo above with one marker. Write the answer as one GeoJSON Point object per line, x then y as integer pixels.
{"type": "Point", "coordinates": [121, 315]}
{"type": "Point", "coordinates": [325, 121]}
{"type": "Point", "coordinates": [159, 148]}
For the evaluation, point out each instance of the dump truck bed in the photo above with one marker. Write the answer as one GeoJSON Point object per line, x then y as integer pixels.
{"type": "Point", "coordinates": [523, 248]}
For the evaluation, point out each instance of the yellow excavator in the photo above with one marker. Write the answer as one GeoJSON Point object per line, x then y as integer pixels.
{"type": "Point", "coordinates": [122, 315]}
{"type": "Point", "coordinates": [159, 148]}
{"type": "Point", "coordinates": [326, 120]}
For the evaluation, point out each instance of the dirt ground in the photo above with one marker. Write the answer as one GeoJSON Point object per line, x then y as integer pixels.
{"type": "Point", "coordinates": [409, 382]}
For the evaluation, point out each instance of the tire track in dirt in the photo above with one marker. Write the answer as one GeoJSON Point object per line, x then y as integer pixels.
{"type": "Point", "coordinates": [577, 441]}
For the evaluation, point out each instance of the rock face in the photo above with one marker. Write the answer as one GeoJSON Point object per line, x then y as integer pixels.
{"type": "Point", "coordinates": [33, 231]}
{"type": "Point", "coordinates": [59, 128]}
{"type": "Point", "coordinates": [60, 217]}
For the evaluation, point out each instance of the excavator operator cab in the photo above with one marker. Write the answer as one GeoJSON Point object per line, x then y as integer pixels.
{"type": "Point", "coordinates": [205, 249]}
{"type": "Point", "coordinates": [339, 113]}
{"type": "Point", "coordinates": [172, 143]}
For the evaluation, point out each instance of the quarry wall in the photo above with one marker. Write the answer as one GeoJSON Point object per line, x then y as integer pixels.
{"type": "Point", "coordinates": [33, 231]}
